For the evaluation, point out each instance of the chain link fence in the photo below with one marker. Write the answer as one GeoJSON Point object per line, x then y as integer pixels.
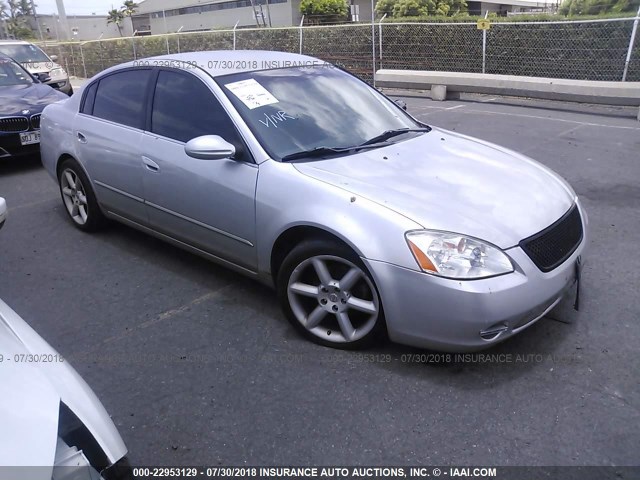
{"type": "Point", "coordinates": [581, 51]}
{"type": "Point", "coordinates": [585, 50]}
{"type": "Point", "coordinates": [449, 47]}
{"type": "Point", "coordinates": [634, 65]}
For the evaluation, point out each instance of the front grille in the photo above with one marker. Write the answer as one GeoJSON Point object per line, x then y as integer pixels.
{"type": "Point", "coordinates": [553, 245]}
{"type": "Point", "coordinates": [35, 121]}
{"type": "Point", "coordinates": [14, 124]}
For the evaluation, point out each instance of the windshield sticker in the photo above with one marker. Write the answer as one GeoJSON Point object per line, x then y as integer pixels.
{"type": "Point", "coordinates": [251, 93]}
{"type": "Point", "coordinates": [273, 120]}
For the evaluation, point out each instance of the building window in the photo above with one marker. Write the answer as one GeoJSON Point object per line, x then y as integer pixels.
{"type": "Point", "coordinates": [211, 7]}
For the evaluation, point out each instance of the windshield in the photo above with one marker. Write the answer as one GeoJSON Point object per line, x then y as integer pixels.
{"type": "Point", "coordinates": [293, 110]}
{"type": "Point", "coordinates": [13, 74]}
{"type": "Point", "coordinates": [24, 53]}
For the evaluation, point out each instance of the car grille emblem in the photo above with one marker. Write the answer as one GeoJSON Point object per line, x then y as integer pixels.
{"type": "Point", "coordinates": [26, 112]}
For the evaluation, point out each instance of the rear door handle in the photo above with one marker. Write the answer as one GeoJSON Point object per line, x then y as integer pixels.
{"type": "Point", "coordinates": [82, 138]}
{"type": "Point", "coordinates": [150, 165]}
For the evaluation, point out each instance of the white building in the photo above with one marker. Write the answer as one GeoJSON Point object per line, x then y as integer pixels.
{"type": "Point", "coordinates": [81, 28]}
{"type": "Point", "coordinates": [160, 16]}
{"type": "Point", "coordinates": [506, 7]}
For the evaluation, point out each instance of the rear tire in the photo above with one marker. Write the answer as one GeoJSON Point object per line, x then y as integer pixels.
{"type": "Point", "coordinates": [328, 295]}
{"type": "Point", "coordinates": [79, 198]}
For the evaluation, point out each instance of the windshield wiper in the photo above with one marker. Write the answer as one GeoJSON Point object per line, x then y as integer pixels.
{"type": "Point", "coordinates": [323, 151]}
{"type": "Point", "coordinates": [386, 135]}
{"type": "Point", "coordinates": [316, 152]}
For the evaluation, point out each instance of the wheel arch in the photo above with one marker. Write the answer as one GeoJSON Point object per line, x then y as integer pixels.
{"type": "Point", "coordinates": [61, 159]}
{"type": "Point", "coordinates": [67, 156]}
{"type": "Point", "coordinates": [293, 236]}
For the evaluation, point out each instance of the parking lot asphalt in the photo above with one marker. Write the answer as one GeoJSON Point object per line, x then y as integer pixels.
{"type": "Point", "coordinates": [197, 366]}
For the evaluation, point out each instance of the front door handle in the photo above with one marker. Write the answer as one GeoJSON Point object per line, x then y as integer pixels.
{"type": "Point", "coordinates": [150, 165]}
{"type": "Point", "coordinates": [81, 137]}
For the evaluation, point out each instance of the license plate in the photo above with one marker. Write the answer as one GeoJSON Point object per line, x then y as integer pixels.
{"type": "Point", "coordinates": [29, 138]}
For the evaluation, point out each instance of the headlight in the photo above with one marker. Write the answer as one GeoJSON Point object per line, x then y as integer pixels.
{"type": "Point", "coordinates": [57, 72]}
{"type": "Point", "coordinates": [456, 256]}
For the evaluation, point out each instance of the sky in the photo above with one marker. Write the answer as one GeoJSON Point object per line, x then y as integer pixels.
{"type": "Point", "coordinates": [78, 7]}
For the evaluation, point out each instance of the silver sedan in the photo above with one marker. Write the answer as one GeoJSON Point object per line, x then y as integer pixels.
{"type": "Point", "coordinates": [287, 169]}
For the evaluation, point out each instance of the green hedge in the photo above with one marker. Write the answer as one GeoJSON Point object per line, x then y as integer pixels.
{"type": "Point", "coordinates": [590, 51]}
{"type": "Point", "coordinates": [541, 17]}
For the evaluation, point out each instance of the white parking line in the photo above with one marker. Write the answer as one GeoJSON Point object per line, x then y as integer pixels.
{"type": "Point", "coordinates": [29, 205]}
{"type": "Point", "coordinates": [588, 124]}
{"type": "Point", "coordinates": [422, 107]}
{"type": "Point", "coordinates": [170, 313]}
{"type": "Point", "coordinates": [572, 129]}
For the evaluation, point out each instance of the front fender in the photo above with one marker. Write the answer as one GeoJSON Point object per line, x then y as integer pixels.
{"type": "Point", "coordinates": [286, 198]}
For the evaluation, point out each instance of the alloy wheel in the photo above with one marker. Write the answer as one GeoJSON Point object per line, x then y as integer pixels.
{"type": "Point", "coordinates": [74, 196]}
{"type": "Point", "coordinates": [333, 298]}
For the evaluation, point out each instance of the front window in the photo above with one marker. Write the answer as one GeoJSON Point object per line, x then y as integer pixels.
{"type": "Point", "coordinates": [291, 110]}
{"type": "Point", "coordinates": [25, 53]}
{"type": "Point", "coordinates": [13, 74]}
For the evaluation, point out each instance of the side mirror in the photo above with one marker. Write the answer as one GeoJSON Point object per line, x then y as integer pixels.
{"type": "Point", "coordinates": [209, 147]}
{"type": "Point", "coordinates": [3, 211]}
{"type": "Point", "coordinates": [54, 58]}
{"type": "Point", "coordinates": [43, 77]}
{"type": "Point", "coordinates": [401, 104]}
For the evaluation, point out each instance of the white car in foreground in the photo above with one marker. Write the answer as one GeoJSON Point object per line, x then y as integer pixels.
{"type": "Point", "coordinates": [3, 211]}
{"type": "Point", "coordinates": [52, 424]}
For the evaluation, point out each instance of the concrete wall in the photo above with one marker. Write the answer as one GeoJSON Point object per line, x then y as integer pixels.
{"type": "Point", "coordinates": [282, 15]}
{"type": "Point", "coordinates": [86, 27]}
{"type": "Point", "coordinates": [364, 9]}
{"type": "Point", "coordinates": [480, 8]}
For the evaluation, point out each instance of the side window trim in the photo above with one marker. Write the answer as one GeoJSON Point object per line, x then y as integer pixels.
{"type": "Point", "coordinates": [85, 98]}
{"type": "Point", "coordinates": [151, 94]}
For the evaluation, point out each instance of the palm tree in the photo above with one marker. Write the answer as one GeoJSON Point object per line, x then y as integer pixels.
{"type": "Point", "coordinates": [129, 8]}
{"type": "Point", "coordinates": [14, 15]}
{"type": "Point", "coordinates": [117, 17]}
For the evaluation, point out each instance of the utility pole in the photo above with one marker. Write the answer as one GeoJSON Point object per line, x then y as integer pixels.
{"type": "Point", "coordinates": [63, 19]}
{"type": "Point", "coordinates": [269, 13]}
{"type": "Point", "coordinates": [35, 17]}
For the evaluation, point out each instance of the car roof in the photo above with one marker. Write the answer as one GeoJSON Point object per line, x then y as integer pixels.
{"type": "Point", "coordinates": [225, 62]}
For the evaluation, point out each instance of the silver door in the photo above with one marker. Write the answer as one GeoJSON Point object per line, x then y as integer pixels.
{"type": "Point", "coordinates": [114, 166]}
{"type": "Point", "coordinates": [209, 204]}
{"type": "Point", "coordinates": [108, 133]}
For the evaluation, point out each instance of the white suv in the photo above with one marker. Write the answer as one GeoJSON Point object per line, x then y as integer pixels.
{"type": "Point", "coordinates": [35, 61]}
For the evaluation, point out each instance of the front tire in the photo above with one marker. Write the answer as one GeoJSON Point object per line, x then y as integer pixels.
{"type": "Point", "coordinates": [329, 296]}
{"type": "Point", "coordinates": [79, 198]}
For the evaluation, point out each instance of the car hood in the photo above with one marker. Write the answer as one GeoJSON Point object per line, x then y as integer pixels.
{"type": "Point", "coordinates": [446, 181]}
{"type": "Point", "coordinates": [31, 395]}
{"type": "Point", "coordinates": [16, 98]}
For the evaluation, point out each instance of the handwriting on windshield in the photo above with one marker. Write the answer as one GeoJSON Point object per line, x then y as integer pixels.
{"type": "Point", "coordinates": [275, 119]}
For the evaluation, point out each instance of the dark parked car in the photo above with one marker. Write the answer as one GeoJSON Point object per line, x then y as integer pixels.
{"type": "Point", "coordinates": [22, 99]}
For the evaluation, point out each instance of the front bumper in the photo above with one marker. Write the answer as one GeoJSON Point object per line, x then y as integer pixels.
{"type": "Point", "coordinates": [10, 146]}
{"type": "Point", "coordinates": [63, 85]}
{"type": "Point", "coordinates": [431, 312]}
